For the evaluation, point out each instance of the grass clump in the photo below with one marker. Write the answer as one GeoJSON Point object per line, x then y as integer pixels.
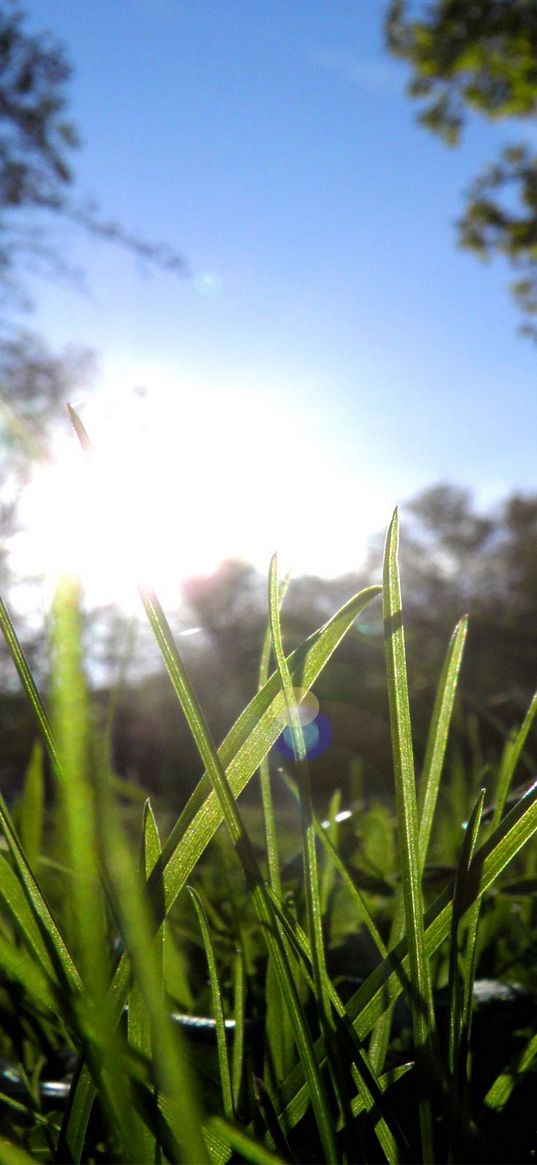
{"type": "Point", "coordinates": [197, 998]}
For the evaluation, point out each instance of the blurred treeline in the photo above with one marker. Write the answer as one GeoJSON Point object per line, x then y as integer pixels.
{"type": "Point", "coordinates": [454, 560]}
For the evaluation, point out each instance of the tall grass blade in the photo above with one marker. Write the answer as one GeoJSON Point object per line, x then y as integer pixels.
{"type": "Point", "coordinates": [407, 818]}
{"type": "Point", "coordinates": [32, 806]}
{"type": "Point", "coordinates": [309, 852]}
{"type": "Point", "coordinates": [71, 717]}
{"type": "Point", "coordinates": [210, 756]}
{"type": "Point", "coordinates": [169, 1061]}
{"type": "Point", "coordinates": [246, 744]}
{"type": "Point", "coordinates": [56, 946]}
{"type": "Point", "coordinates": [427, 799]}
{"type": "Point", "coordinates": [510, 758]}
{"type": "Point", "coordinates": [383, 985]}
{"type": "Point", "coordinates": [460, 992]}
{"type": "Point", "coordinates": [218, 1006]}
{"type": "Point", "coordinates": [138, 1024]}
{"type": "Point", "coordinates": [438, 733]}
{"type": "Point", "coordinates": [505, 1084]}
{"type": "Point", "coordinates": [239, 1014]}
{"type": "Point", "coordinates": [19, 659]}
{"type": "Point", "coordinates": [11, 1154]}
{"type": "Point", "coordinates": [249, 1149]}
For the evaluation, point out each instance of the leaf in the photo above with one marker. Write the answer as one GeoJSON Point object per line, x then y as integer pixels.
{"type": "Point", "coordinates": [421, 999]}
{"type": "Point", "coordinates": [31, 806]}
{"type": "Point", "coordinates": [218, 1008]}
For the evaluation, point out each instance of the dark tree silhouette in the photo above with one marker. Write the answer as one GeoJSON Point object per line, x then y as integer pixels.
{"type": "Point", "coordinates": [481, 57]}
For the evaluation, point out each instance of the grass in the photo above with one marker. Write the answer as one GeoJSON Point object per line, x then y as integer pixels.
{"type": "Point", "coordinates": [112, 947]}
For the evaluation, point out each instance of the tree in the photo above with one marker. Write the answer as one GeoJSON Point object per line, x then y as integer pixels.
{"type": "Point", "coordinates": [481, 56]}
{"type": "Point", "coordinates": [37, 144]}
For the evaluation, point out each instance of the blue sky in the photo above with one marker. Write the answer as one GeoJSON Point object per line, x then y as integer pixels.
{"type": "Point", "coordinates": [272, 144]}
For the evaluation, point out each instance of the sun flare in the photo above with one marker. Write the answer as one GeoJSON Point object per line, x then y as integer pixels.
{"type": "Point", "coordinates": [180, 481]}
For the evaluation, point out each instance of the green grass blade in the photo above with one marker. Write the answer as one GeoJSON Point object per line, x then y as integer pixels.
{"type": "Point", "coordinates": [363, 913]}
{"type": "Point", "coordinates": [16, 903]}
{"type": "Point", "coordinates": [460, 992]}
{"type": "Point", "coordinates": [407, 818]}
{"type": "Point", "coordinates": [249, 1149]}
{"type": "Point", "coordinates": [218, 1007]}
{"type": "Point", "coordinates": [248, 742]}
{"type": "Point", "coordinates": [269, 820]}
{"type": "Point", "coordinates": [31, 807]}
{"type": "Point", "coordinates": [239, 1011]}
{"type": "Point", "coordinates": [438, 734]}
{"type": "Point", "coordinates": [77, 792]}
{"type": "Point", "coordinates": [253, 734]}
{"type": "Point", "coordinates": [383, 985]}
{"type": "Point", "coordinates": [505, 1084]}
{"type": "Point", "coordinates": [362, 1071]}
{"type": "Point", "coordinates": [427, 799]}
{"type": "Point", "coordinates": [20, 967]}
{"type": "Point", "coordinates": [138, 1025]}
{"type": "Point", "coordinates": [11, 1154]}
{"type": "Point", "coordinates": [510, 758]}
{"type": "Point", "coordinates": [210, 756]}
{"type": "Point", "coordinates": [458, 1012]}
{"type": "Point", "coordinates": [19, 659]}
{"type": "Point", "coordinates": [57, 949]}
{"type": "Point", "coordinates": [170, 1064]}
{"type": "Point", "coordinates": [309, 852]}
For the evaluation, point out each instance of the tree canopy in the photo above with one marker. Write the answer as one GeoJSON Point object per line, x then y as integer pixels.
{"type": "Point", "coordinates": [481, 57]}
{"type": "Point", "coordinates": [37, 145]}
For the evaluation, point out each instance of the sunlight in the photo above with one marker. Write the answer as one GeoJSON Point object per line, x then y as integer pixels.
{"type": "Point", "coordinates": [178, 482]}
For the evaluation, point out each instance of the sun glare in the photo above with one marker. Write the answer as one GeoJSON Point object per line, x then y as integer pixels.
{"type": "Point", "coordinates": [180, 481]}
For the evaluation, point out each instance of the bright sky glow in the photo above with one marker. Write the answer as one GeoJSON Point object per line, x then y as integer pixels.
{"type": "Point", "coordinates": [177, 482]}
{"type": "Point", "coordinates": [330, 353]}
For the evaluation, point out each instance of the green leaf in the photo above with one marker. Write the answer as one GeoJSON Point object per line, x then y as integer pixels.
{"type": "Point", "coordinates": [383, 985]}
{"type": "Point", "coordinates": [218, 1007]}
{"type": "Point", "coordinates": [407, 818]}
{"type": "Point", "coordinates": [31, 806]}
{"type": "Point", "coordinates": [438, 734]}
{"type": "Point", "coordinates": [509, 762]}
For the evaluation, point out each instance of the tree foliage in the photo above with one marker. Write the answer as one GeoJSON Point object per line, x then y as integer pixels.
{"type": "Point", "coordinates": [37, 145]}
{"type": "Point", "coordinates": [481, 56]}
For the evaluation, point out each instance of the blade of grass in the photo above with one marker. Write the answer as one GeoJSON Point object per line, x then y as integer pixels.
{"type": "Point", "coordinates": [383, 986]}
{"type": "Point", "coordinates": [246, 744]}
{"type": "Point", "coordinates": [170, 1064]}
{"type": "Point", "coordinates": [239, 1009]}
{"type": "Point", "coordinates": [77, 792]}
{"type": "Point", "coordinates": [427, 799]}
{"type": "Point", "coordinates": [460, 994]}
{"type": "Point", "coordinates": [209, 755]}
{"type": "Point", "coordinates": [505, 1084]}
{"type": "Point", "coordinates": [421, 1000]}
{"type": "Point", "coordinates": [364, 1077]}
{"type": "Point", "coordinates": [437, 737]}
{"type": "Point", "coordinates": [362, 910]}
{"type": "Point", "coordinates": [79, 818]}
{"type": "Point", "coordinates": [11, 1154]}
{"type": "Point", "coordinates": [57, 949]}
{"type": "Point", "coordinates": [138, 1025]}
{"type": "Point", "coordinates": [309, 852]}
{"type": "Point", "coordinates": [510, 758]}
{"type": "Point", "coordinates": [218, 1006]}
{"type": "Point", "coordinates": [269, 820]}
{"type": "Point", "coordinates": [246, 1146]}
{"type": "Point", "coordinates": [19, 659]}
{"type": "Point", "coordinates": [31, 807]}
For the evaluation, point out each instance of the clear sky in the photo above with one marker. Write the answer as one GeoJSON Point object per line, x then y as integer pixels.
{"type": "Point", "coordinates": [328, 329]}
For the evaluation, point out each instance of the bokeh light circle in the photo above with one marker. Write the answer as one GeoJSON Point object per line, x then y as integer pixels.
{"type": "Point", "coordinates": [307, 706]}
{"type": "Point", "coordinates": [317, 738]}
